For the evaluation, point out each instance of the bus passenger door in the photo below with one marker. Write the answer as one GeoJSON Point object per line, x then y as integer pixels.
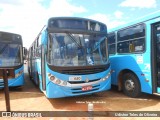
{"type": "Point", "coordinates": [156, 56]}
{"type": "Point", "coordinates": [43, 69]}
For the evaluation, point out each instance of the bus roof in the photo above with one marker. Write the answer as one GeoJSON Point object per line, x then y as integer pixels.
{"type": "Point", "coordinates": [138, 21]}
{"type": "Point", "coordinates": [3, 32]}
{"type": "Point", "coordinates": [7, 36]}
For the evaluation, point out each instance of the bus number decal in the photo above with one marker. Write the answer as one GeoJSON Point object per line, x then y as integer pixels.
{"type": "Point", "coordinates": [75, 78]}
{"type": "Point", "coordinates": [140, 59]}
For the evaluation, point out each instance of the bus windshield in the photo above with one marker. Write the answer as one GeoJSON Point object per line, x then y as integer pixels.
{"type": "Point", "coordinates": [66, 49]}
{"type": "Point", "coordinates": [10, 54]}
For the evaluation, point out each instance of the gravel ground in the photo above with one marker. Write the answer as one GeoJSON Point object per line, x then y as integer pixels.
{"type": "Point", "coordinates": [29, 98]}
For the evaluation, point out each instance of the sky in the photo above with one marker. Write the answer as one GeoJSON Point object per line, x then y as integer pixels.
{"type": "Point", "coordinates": [27, 17]}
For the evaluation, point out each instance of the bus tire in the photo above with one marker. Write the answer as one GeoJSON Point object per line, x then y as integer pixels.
{"type": "Point", "coordinates": [16, 87]}
{"type": "Point", "coordinates": [131, 86]}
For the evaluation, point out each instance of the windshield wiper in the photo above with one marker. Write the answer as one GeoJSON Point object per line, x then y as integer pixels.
{"type": "Point", "coordinates": [98, 44]}
{"type": "Point", "coordinates": [74, 40]}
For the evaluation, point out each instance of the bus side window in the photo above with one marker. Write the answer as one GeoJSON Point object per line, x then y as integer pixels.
{"type": "Point", "coordinates": [123, 47]}
{"type": "Point", "coordinates": [133, 38]}
{"type": "Point", "coordinates": [139, 45]}
{"type": "Point", "coordinates": [38, 51]}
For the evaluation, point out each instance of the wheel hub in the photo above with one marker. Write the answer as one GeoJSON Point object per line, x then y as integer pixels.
{"type": "Point", "coordinates": [129, 85]}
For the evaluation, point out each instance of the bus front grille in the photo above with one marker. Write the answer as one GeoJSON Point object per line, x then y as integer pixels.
{"type": "Point", "coordinates": [83, 71]}
{"type": "Point", "coordinates": [80, 82]}
{"type": "Point", "coordinates": [79, 70]}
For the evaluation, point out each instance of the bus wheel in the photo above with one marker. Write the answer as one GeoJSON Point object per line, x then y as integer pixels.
{"type": "Point", "coordinates": [16, 87]}
{"type": "Point", "coordinates": [131, 85]}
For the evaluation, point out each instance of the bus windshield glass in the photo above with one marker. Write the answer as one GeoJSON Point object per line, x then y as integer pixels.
{"type": "Point", "coordinates": [66, 49]}
{"type": "Point", "coordinates": [9, 54]}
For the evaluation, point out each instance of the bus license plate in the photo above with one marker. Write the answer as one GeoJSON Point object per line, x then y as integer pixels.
{"type": "Point", "coordinates": [75, 78]}
{"type": "Point", "coordinates": [86, 88]}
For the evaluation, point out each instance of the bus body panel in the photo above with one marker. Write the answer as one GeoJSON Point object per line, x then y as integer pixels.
{"type": "Point", "coordinates": [141, 64]}
{"type": "Point", "coordinates": [54, 91]}
{"type": "Point", "coordinates": [62, 91]}
{"type": "Point", "coordinates": [126, 62]}
{"type": "Point", "coordinates": [20, 77]}
{"type": "Point", "coordinates": [18, 80]}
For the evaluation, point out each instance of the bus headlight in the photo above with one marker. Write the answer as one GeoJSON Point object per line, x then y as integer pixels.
{"type": "Point", "coordinates": [56, 80]}
{"type": "Point", "coordinates": [52, 78]}
{"type": "Point", "coordinates": [64, 83]}
{"type": "Point", "coordinates": [106, 77]}
{"type": "Point", "coordinates": [18, 74]}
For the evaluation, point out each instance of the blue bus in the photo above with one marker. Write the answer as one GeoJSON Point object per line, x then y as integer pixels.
{"type": "Point", "coordinates": [69, 57]}
{"type": "Point", "coordinates": [12, 54]}
{"type": "Point", "coordinates": [134, 50]}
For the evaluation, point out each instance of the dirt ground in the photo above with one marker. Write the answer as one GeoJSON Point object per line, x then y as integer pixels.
{"type": "Point", "coordinates": [29, 98]}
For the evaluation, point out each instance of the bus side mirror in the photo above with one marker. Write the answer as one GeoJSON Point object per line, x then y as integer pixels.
{"type": "Point", "coordinates": [24, 52]}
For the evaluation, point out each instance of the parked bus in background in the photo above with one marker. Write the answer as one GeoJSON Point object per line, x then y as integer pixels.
{"type": "Point", "coordinates": [69, 57]}
{"type": "Point", "coordinates": [134, 51]}
{"type": "Point", "coordinates": [11, 56]}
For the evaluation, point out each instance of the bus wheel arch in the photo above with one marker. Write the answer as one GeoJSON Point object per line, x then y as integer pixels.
{"type": "Point", "coordinates": [129, 82]}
